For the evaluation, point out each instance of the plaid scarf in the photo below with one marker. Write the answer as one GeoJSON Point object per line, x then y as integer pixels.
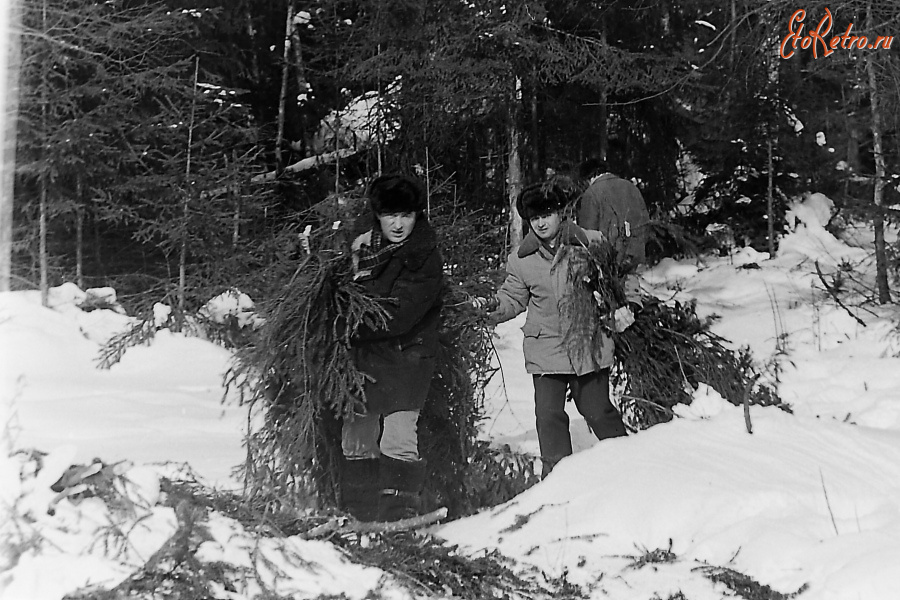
{"type": "Point", "coordinates": [374, 256]}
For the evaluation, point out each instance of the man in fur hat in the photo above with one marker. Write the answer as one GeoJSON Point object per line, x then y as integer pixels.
{"type": "Point", "coordinates": [397, 259]}
{"type": "Point", "coordinates": [537, 280]}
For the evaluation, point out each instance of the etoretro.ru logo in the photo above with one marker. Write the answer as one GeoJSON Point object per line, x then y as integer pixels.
{"type": "Point", "coordinates": [816, 39]}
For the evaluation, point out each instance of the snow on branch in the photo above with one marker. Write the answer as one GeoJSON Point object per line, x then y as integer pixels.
{"type": "Point", "coordinates": [307, 163]}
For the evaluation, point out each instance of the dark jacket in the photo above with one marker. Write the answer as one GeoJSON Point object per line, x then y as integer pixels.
{"type": "Point", "coordinates": [401, 356]}
{"type": "Point", "coordinates": [537, 280]}
{"type": "Point", "coordinates": [615, 207]}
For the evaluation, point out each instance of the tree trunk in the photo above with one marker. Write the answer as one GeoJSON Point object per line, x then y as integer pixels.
{"type": "Point", "coordinates": [79, 246]}
{"type": "Point", "coordinates": [254, 59]}
{"type": "Point", "coordinates": [10, 25]}
{"type": "Point", "coordinates": [182, 255]}
{"type": "Point", "coordinates": [770, 197]}
{"type": "Point", "coordinates": [603, 125]}
{"type": "Point", "coordinates": [99, 268]}
{"type": "Point", "coordinates": [427, 183]}
{"type": "Point", "coordinates": [774, 78]}
{"type": "Point", "coordinates": [300, 76]}
{"type": "Point", "coordinates": [236, 230]}
{"type": "Point", "coordinates": [42, 233]}
{"type": "Point", "coordinates": [852, 147]}
{"type": "Point", "coordinates": [881, 269]}
{"type": "Point", "coordinates": [732, 47]}
{"type": "Point", "coordinates": [603, 117]}
{"type": "Point", "coordinates": [379, 138]}
{"type": "Point", "coordinates": [282, 97]}
{"type": "Point", "coordinates": [235, 191]}
{"type": "Point", "coordinates": [535, 143]}
{"type": "Point", "coordinates": [44, 262]}
{"type": "Point", "coordinates": [514, 168]}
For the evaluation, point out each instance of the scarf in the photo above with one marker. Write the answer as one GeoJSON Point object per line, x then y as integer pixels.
{"type": "Point", "coordinates": [375, 255]}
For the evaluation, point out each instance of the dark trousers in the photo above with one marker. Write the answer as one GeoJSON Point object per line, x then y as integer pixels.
{"type": "Point", "coordinates": [591, 395]}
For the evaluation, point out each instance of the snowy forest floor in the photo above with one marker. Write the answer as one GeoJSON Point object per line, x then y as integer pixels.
{"type": "Point", "coordinates": [806, 506]}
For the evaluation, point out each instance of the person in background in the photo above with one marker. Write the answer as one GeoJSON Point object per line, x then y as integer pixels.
{"type": "Point", "coordinates": [536, 282]}
{"type": "Point", "coordinates": [398, 260]}
{"type": "Point", "coordinates": [615, 207]}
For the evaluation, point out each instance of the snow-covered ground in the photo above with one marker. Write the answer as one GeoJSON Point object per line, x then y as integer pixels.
{"type": "Point", "coordinates": [808, 499]}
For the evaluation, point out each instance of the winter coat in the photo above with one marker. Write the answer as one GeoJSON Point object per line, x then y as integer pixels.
{"type": "Point", "coordinates": [401, 356]}
{"type": "Point", "coordinates": [616, 208]}
{"type": "Point", "coordinates": [536, 281]}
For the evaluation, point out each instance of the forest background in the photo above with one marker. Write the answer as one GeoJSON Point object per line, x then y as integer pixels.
{"type": "Point", "coordinates": [174, 149]}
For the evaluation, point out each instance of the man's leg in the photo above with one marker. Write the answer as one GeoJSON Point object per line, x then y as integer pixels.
{"type": "Point", "coordinates": [551, 419]}
{"type": "Point", "coordinates": [591, 395]}
{"type": "Point", "coordinates": [400, 436]}
{"type": "Point", "coordinates": [402, 472]}
{"type": "Point", "coordinates": [359, 436]}
{"type": "Point", "coordinates": [359, 470]}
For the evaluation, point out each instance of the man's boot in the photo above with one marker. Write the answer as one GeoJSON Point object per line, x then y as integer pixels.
{"type": "Point", "coordinates": [401, 482]}
{"type": "Point", "coordinates": [359, 487]}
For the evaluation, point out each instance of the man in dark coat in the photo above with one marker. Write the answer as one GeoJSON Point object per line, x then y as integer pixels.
{"type": "Point", "coordinates": [615, 207]}
{"type": "Point", "coordinates": [398, 260]}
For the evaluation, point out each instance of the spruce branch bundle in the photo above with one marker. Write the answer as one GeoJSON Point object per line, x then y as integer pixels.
{"type": "Point", "coordinates": [663, 356]}
{"type": "Point", "coordinates": [300, 377]}
{"type": "Point", "coordinates": [455, 405]}
{"type": "Point", "coordinates": [596, 289]}
{"type": "Point", "coordinates": [300, 374]}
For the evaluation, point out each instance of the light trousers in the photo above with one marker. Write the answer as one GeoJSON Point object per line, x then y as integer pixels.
{"type": "Point", "coordinates": [371, 435]}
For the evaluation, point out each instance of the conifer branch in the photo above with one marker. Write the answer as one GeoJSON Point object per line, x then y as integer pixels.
{"type": "Point", "coordinates": [343, 526]}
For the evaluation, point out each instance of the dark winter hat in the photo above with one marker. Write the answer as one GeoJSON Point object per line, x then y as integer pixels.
{"type": "Point", "coordinates": [395, 194]}
{"type": "Point", "coordinates": [591, 167]}
{"type": "Point", "coordinates": [539, 199]}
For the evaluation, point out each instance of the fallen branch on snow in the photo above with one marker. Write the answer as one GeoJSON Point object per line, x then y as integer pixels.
{"type": "Point", "coordinates": [353, 526]}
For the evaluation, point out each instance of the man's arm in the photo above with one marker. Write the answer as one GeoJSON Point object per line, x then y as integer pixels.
{"type": "Point", "coordinates": [513, 295]}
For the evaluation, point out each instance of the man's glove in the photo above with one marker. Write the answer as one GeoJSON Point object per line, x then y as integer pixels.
{"type": "Point", "coordinates": [486, 305]}
{"type": "Point", "coordinates": [623, 318]}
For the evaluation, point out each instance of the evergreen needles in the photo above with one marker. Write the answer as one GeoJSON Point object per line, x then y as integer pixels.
{"type": "Point", "coordinates": [662, 357]}
{"type": "Point", "coordinates": [301, 377]}
{"type": "Point", "coordinates": [464, 473]}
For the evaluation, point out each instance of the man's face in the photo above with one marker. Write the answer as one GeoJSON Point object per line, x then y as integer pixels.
{"type": "Point", "coordinates": [396, 227]}
{"type": "Point", "coordinates": [546, 226]}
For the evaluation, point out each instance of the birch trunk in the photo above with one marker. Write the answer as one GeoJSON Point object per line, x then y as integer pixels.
{"type": "Point", "coordinates": [282, 97]}
{"type": "Point", "coordinates": [182, 258]}
{"type": "Point", "coordinates": [10, 20]}
{"type": "Point", "coordinates": [42, 233]}
{"type": "Point", "coordinates": [299, 74]}
{"type": "Point", "coordinates": [514, 169]}
{"type": "Point", "coordinates": [770, 198]}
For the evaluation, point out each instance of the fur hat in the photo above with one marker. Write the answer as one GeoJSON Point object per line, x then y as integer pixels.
{"type": "Point", "coordinates": [539, 199]}
{"type": "Point", "coordinates": [395, 194]}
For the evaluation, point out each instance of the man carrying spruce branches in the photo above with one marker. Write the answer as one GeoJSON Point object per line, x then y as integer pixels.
{"type": "Point", "coordinates": [538, 281]}
{"type": "Point", "coordinates": [615, 207]}
{"type": "Point", "coordinates": [397, 260]}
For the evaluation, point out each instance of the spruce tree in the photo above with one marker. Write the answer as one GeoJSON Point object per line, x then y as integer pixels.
{"type": "Point", "coordinates": [107, 96]}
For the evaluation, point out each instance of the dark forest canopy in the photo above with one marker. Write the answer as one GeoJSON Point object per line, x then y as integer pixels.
{"type": "Point", "coordinates": [146, 129]}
